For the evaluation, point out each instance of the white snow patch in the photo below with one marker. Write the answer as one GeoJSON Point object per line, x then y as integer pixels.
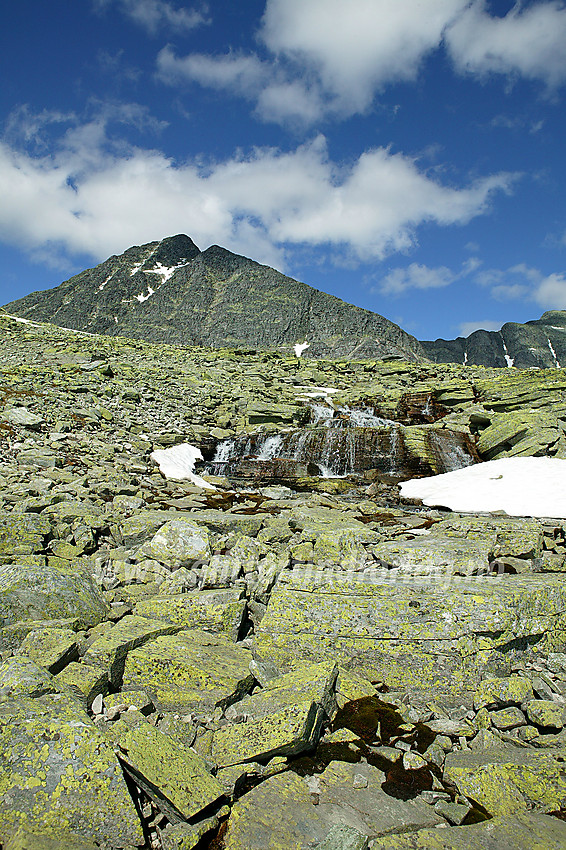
{"type": "Point", "coordinates": [136, 268]}
{"type": "Point", "coordinates": [299, 347]}
{"type": "Point", "coordinates": [116, 319]}
{"type": "Point", "coordinates": [556, 328]}
{"type": "Point", "coordinates": [141, 297]}
{"type": "Point", "coordinates": [165, 272]}
{"type": "Point", "coordinates": [317, 392]}
{"type": "Point", "coordinates": [518, 486]}
{"type": "Point", "coordinates": [465, 361]}
{"type": "Point", "coordinates": [179, 462]}
{"type": "Point", "coordinates": [103, 284]}
{"type": "Point", "coordinates": [553, 352]}
{"type": "Point", "coordinates": [509, 360]}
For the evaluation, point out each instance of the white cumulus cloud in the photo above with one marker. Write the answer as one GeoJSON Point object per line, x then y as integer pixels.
{"type": "Point", "coordinates": [359, 46]}
{"type": "Point", "coordinates": [418, 276]}
{"type": "Point", "coordinates": [97, 194]}
{"type": "Point", "coordinates": [154, 15]}
{"type": "Point", "coordinates": [327, 59]}
{"type": "Point", "coordinates": [242, 74]}
{"type": "Point", "coordinates": [529, 41]}
{"type": "Point", "coordinates": [527, 283]}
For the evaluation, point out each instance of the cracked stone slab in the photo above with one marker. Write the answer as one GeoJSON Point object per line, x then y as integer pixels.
{"type": "Point", "coordinates": [413, 633]}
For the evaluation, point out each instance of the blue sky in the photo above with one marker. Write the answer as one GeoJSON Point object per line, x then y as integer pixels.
{"type": "Point", "coordinates": [405, 155]}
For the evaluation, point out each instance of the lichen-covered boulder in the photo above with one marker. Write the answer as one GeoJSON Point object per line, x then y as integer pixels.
{"type": "Point", "coordinates": [210, 610]}
{"type": "Point", "coordinates": [190, 671]}
{"type": "Point", "coordinates": [22, 677]}
{"type": "Point", "coordinates": [179, 543]}
{"type": "Point", "coordinates": [502, 691]}
{"type": "Point", "coordinates": [435, 554]}
{"type": "Point", "coordinates": [22, 534]}
{"type": "Point", "coordinates": [110, 650]}
{"type": "Point", "coordinates": [284, 718]}
{"type": "Point", "coordinates": [36, 837]}
{"type": "Point", "coordinates": [51, 648]}
{"type": "Point", "coordinates": [508, 780]}
{"type": "Point", "coordinates": [174, 776]}
{"type": "Point", "coordinates": [58, 771]}
{"type": "Point", "coordinates": [436, 637]}
{"type": "Point", "coordinates": [290, 811]}
{"type": "Point", "coordinates": [44, 592]}
{"type": "Point", "coordinates": [520, 831]}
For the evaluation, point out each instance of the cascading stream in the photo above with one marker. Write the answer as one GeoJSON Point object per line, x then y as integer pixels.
{"type": "Point", "coordinates": [339, 442]}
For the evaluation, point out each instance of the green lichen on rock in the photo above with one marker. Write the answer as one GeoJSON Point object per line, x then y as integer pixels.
{"type": "Point", "coordinates": [190, 671]}
{"type": "Point", "coordinates": [509, 780]}
{"type": "Point", "coordinates": [219, 611]}
{"type": "Point", "coordinates": [178, 543]}
{"type": "Point", "coordinates": [22, 534]}
{"type": "Point", "coordinates": [425, 636]}
{"type": "Point", "coordinates": [173, 775]}
{"type": "Point", "coordinates": [56, 770]}
{"type": "Point", "coordinates": [41, 592]}
{"type": "Point", "coordinates": [521, 832]}
{"type": "Point", "coordinates": [50, 648]}
{"type": "Point", "coordinates": [110, 650]}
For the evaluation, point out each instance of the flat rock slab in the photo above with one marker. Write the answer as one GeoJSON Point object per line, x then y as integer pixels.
{"type": "Point", "coordinates": [51, 648]}
{"type": "Point", "coordinates": [436, 554]}
{"type": "Point", "coordinates": [285, 718]}
{"type": "Point", "coordinates": [110, 650]}
{"type": "Point", "coordinates": [520, 537]}
{"type": "Point", "coordinates": [56, 770]}
{"type": "Point", "coordinates": [509, 780]}
{"type": "Point", "coordinates": [85, 680]}
{"type": "Point", "coordinates": [40, 592]}
{"type": "Point", "coordinates": [12, 636]}
{"type": "Point", "coordinates": [428, 636]}
{"type": "Point", "coordinates": [190, 671]}
{"type": "Point", "coordinates": [211, 610]}
{"type": "Point", "coordinates": [289, 811]}
{"type": "Point", "coordinates": [174, 776]}
{"type": "Point", "coordinates": [524, 832]}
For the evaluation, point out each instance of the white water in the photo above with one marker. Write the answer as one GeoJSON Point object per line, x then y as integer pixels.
{"type": "Point", "coordinates": [271, 448]}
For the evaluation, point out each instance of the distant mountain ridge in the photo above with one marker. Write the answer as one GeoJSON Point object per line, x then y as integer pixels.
{"type": "Point", "coordinates": [540, 343]}
{"type": "Point", "coordinates": [170, 291]}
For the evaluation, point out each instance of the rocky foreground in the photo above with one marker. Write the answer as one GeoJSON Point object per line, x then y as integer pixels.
{"type": "Point", "coordinates": [286, 660]}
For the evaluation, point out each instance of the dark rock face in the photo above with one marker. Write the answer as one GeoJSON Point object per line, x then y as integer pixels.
{"type": "Point", "coordinates": [540, 343]}
{"type": "Point", "coordinates": [169, 291]}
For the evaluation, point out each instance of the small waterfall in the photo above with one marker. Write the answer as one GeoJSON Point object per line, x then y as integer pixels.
{"type": "Point", "coordinates": [224, 451]}
{"type": "Point", "coordinates": [322, 413]}
{"type": "Point", "coordinates": [363, 417]}
{"type": "Point", "coordinates": [271, 448]}
{"type": "Point", "coordinates": [337, 443]}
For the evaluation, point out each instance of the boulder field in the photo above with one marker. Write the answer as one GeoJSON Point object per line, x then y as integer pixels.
{"type": "Point", "coordinates": [282, 659]}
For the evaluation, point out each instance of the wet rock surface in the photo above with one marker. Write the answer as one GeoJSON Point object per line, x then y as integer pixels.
{"type": "Point", "coordinates": [299, 660]}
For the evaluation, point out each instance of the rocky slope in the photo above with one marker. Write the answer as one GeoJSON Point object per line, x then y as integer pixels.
{"type": "Point", "coordinates": [307, 664]}
{"type": "Point", "coordinates": [538, 344]}
{"type": "Point", "coordinates": [169, 291]}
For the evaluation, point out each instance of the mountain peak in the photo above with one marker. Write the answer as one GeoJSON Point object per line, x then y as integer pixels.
{"type": "Point", "coordinates": [170, 291]}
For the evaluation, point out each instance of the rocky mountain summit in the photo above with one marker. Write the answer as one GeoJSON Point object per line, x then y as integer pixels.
{"type": "Point", "coordinates": [169, 291]}
{"type": "Point", "coordinates": [539, 344]}
{"type": "Point", "coordinates": [281, 658]}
